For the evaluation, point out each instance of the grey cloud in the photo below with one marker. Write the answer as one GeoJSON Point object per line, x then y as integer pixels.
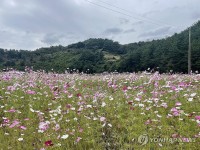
{"type": "Point", "coordinates": [124, 21]}
{"type": "Point", "coordinates": [63, 39]}
{"type": "Point", "coordinates": [43, 17]}
{"type": "Point", "coordinates": [138, 23]}
{"type": "Point", "coordinates": [32, 24]}
{"type": "Point", "coordinates": [196, 15]}
{"type": "Point", "coordinates": [52, 38]}
{"type": "Point", "coordinates": [129, 30]}
{"type": "Point", "coordinates": [152, 12]}
{"type": "Point", "coordinates": [157, 32]}
{"type": "Point", "coordinates": [15, 40]}
{"type": "Point", "coordinates": [113, 31]}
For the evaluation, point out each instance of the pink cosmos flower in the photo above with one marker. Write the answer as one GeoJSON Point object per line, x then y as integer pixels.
{"type": "Point", "coordinates": [102, 119]}
{"type": "Point", "coordinates": [178, 104]}
{"type": "Point", "coordinates": [30, 92]}
{"type": "Point", "coordinates": [44, 126]}
{"type": "Point", "coordinates": [11, 110]}
{"type": "Point", "coordinates": [175, 112]}
{"type": "Point", "coordinates": [11, 88]}
{"type": "Point", "coordinates": [78, 139]}
{"type": "Point", "coordinates": [14, 124]}
{"type": "Point", "coordinates": [182, 84]}
{"type": "Point", "coordinates": [197, 135]}
{"type": "Point", "coordinates": [197, 118]}
{"type": "Point", "coordinates": [70, 95]}
{"type": "Point", "coordinates": [164, 105]}
{"type": "Point", "coordinates": [114, 86]}
{"type": "Point", "coordinates": [174, 109]}
{"type": "Point", "coordinates": [57, 127]}
{"type": "Point", "coordinates": [156, 84]}
{"type": "Point", "coordinates": [173, 88]}
{"type": "Point", "coordinates": [80, 109]}
{"type": "Point", "coordinates": [81, 130]}
{"type": "Point", "coordinates": [148, 122]}
{"type": "Point", "coordinates": [23, 127]}
{"type": "Point", "coordinates": [72, 133]}
{"type": "Point", "coordinates": [175, 135]}
{"type": "Point", "coordinates": [6, 120]}
{"type": "Point", "coordinates": [110, 83]}
{"type": "Point", "coordinates": [185, 139]}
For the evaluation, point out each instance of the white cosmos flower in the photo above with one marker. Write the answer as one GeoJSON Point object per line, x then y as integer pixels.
{"type": "Point", "coordinates": [65, 136]}
{"type": "Point", "coordinates": [89, 106]}
{"type": "Point", "coordinates": [95, 118]}
{"type": "Point", "coordinates": [73, 108]}
{"type": "Point", "coordinates": [137, 99]}
{"type": "Point", "coordinates": [110, 125]}
{"type": "Point", "coordinates": [31, 109]}
{"type": "Point", "coordinates": [159, 116]}
{"type": "Point", "coordinates": [141, 105]}
{"type": "Point", "coordinates": [20, 139]}
{"type": "Point", "coordinates": [193, 94]}
{"type": "Point", "coordinates": [103, 104]}
{"type": "Point", "coordinates": [110, 98]}
{"type": "Point", "coordinates": [190, 99]}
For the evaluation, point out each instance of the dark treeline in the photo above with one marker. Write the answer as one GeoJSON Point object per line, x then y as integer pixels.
{"type": "Point", "coordinates": [99, 55]}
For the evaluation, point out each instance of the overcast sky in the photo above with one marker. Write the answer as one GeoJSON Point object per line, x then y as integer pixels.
{"type": "Point", "coordinates": [31, 24]}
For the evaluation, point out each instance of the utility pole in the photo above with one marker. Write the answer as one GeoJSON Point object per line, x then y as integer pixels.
{"type": "Point", "coordinates": [189, 52]}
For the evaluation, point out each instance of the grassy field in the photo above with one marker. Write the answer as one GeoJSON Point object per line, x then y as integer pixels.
{"type": "Point", "coordinates": [111, 57]}
{"type": "Point", "coordinates": [40, 111]}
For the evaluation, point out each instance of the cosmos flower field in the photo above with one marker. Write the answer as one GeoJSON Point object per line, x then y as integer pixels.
{"type": "Point", "coordinates": [49, 111]}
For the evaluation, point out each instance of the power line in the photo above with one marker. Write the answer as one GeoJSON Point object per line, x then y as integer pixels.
{"type": "Point", "coordinates": [115, 6]}
{"type": "Point", "coordinates": [151, 21]}
{"type": "Point", "coordinates": [146, 20]}
{"type": "Point", "coordinates": [109, 9]}
{"type": "Point", "coordinates": [130, 12]}
{"type": "Point", "coordinates": [121, 12]}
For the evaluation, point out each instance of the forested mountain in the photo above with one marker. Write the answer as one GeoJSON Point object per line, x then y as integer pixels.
{"type": "Point", "coordinates": [99, 55]}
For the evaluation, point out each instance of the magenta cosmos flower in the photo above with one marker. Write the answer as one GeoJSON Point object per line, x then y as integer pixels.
{"type": "Point", "coordinates": [48, 143]}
